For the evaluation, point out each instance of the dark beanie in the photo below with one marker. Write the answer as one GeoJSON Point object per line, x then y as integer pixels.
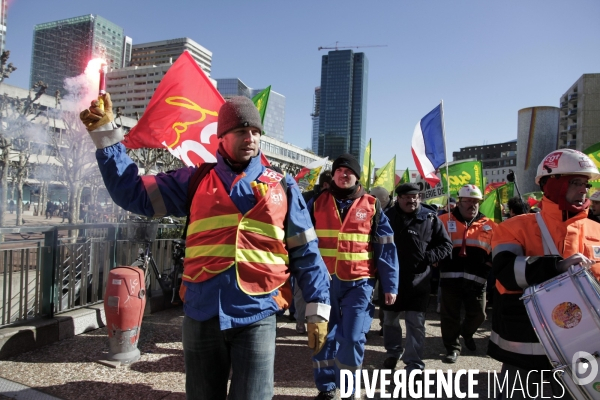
{"type": "Point", "coordinates": [348, 161]}
{"type": "Point", "coordinates": [238, 112]}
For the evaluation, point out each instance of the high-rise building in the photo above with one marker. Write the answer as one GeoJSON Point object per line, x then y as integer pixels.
{"type": "Point", "coordinates": [343, 106]}
{"type": "Point", "coordinates": [167, 51]}
{"type": "Point", "coordinates": [315, 120]}
{"type": "Point", "coordinates": [274, 123]}
{"type": "Point", "coordinates": [497, 159]}
{"type": "Point", "coordinates": [127, 45]}
{"type": "Point", "coordinates": [131, 88]}
{"type": "Point", "coordinates": [579, 125]}
{"type": "Point", "coordinates": [62, 49]}
{"type": "Point", "coordinates": [3, 12]}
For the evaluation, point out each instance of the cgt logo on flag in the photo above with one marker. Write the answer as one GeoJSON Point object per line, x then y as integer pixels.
{"type": "Point", "coordinates": [181, 116]}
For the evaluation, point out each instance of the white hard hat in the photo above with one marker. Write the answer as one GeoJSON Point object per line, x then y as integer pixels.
{"type": "Point", "coordinates": [566, 162]}
{"type": "Point", "coordinates": [595, 196]}
{"type": "Point", "coordinates": [470, 191]}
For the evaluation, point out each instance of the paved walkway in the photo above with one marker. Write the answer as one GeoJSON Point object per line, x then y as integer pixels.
{"type": "Point", "coordinates": [67, 369]}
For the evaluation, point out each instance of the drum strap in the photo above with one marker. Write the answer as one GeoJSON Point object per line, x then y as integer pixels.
{"type": "Point", "coordinates": [549, 246]}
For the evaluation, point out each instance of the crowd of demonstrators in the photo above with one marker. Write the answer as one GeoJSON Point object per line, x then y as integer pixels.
{"type": "Point", "coordinates": [421, 241]}
{"type": "Point", "coordinates": [463, 276]}
{"type": "Point", "coordinates": [355, 241]}
{"type": "Point", "coordinates": [522, 259]}
{"type": "Point", "coordinates": [333, 242]}
{"type": "Point", "coordinates": [240, 249]}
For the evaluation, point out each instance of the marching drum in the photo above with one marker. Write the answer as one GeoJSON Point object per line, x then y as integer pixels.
{"type": "Point", "coordinates": [565, 313]}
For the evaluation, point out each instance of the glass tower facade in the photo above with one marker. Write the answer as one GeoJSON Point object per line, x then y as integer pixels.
{"type": "Point", "coordinates": [343, 104]}
{"type": "Point", "coordinates": [274, 123]}
{"type": "Point", "coordinates": [62, 49]}
{"type": "Point", "coordinates": [315, 120]}
{"type": "Point", "coordinates": [3, 12]}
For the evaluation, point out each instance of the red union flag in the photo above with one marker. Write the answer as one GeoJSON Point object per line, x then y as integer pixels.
{"type": "Point", "coordinates": [181, 116]}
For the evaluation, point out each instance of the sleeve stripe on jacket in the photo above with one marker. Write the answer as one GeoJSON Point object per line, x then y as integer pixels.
{"type": "Point", "coordinates": [384, 239]}
{"type": "Point", "coordinates": [535, 349]}
{"type": "Point", "coordinates": [473, 242]}
{"type": "Point", "coordinates": [512, 247]}
{"type": "Point", "coordinates": [520, 267]}
{"type": "Point", "coordinates": [158, 204]}
{"type": "Point", "coordinates": [302, 238]}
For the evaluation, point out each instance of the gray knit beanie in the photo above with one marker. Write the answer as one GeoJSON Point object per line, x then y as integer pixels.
{"type": "Point", "coordinates": [238, 112]}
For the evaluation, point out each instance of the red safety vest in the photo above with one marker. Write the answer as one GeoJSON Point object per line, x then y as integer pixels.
{"type": "Point", "coordinates": [346, 247]}
{"type": "Point", "coordinates": [219, 237]}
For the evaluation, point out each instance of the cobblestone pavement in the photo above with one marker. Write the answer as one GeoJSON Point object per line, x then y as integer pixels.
{"type": "Point", "coordinates": [68, 370]}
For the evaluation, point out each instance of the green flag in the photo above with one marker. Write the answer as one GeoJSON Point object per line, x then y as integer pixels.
{"type": "Point", "coordinates": [460, 174]}
{"type": "Point", "coordinates": [593, 152]}
{"type": "Point", "coordinates": [405, 177]}
{"type": "Point", "coordinates": [367, 168]}
{"type": "Point", "coordinates": [505, 192]}
{"type": "Point", "coordinates": [386, 176]}
{"type": "Point", "coordinates": [260, 101]}
{"type": "Point", "coordinates": [491, 207]}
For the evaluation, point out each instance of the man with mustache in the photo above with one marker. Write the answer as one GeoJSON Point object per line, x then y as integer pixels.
{"type": "Point", "coordinates": [240, 249]}
{"type": "Point", "coordinates": [421, 240]}
{"type": "Point", "coordinates": [356, 241]}
{"type": "Point", "coordinates": [463, 275]}
{"type": "Point", "coordinates": [533, 248]}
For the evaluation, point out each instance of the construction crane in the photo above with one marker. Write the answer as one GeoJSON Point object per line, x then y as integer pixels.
{"type": "Point", "coordinates": [350, 47]}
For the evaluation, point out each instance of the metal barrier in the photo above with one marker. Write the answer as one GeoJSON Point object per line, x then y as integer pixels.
{"type": "Point", "coordinates": [63, 272]}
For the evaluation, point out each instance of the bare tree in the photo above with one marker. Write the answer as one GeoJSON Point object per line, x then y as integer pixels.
{"type": "Point", "coordinates": [17, 132]}
{"type": "Point", "coordinates": [76, 155]}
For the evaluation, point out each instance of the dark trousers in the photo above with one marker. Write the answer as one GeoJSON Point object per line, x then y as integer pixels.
{"type": "Point", "coordinates": [453, 300]}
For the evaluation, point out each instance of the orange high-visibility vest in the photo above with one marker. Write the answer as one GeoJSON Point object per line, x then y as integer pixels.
{"type": "Point", "coordinates": [346, 247]}
{"type": "Point", "coordinates": [219, 237]}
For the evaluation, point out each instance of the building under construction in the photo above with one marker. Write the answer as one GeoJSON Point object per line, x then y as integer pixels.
{"type": "Point", "coordinates": [62, 49]}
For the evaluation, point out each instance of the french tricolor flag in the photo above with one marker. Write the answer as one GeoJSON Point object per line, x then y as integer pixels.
{"type": "Point", "coordinates": [428, 147]}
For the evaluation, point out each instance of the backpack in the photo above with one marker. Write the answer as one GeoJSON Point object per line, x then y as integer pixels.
{"type": "Point", "coordinates": [195, 180]}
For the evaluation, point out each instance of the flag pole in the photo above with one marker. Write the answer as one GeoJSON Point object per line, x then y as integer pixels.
{"type": "Point", "coordinates": [446, 157]}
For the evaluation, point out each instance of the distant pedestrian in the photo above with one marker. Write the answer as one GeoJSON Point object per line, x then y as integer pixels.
{"type": "Point", "coordinates": [49, 209]}
{"type": "Point", "coordinates": [11, 206]}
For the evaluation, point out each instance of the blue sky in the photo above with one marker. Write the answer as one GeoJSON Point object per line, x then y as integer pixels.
{"type": "Point", "coordinates": [485, 59]}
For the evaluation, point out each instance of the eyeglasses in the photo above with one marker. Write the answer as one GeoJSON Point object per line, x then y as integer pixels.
{"type": "Point", "coordinates": [578, 183]}
{"type": "Point", "coordinates": [410, 197]}
{"type": "Point", "coordinates": [470, 201]}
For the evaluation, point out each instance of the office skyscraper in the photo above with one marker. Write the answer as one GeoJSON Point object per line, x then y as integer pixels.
{"type": "Point", "coordinates": [167, 51]}
{"type": "Point", "coordinates": [3, 12]}
{"type": "Point", "coordinates": [274, 117]}
{"type": "Point", "coordinates": [315, 120]}
{"type": "Point", "coordinates": [62, 49]}
{"type": "Point", "coordinates": [343, 105]}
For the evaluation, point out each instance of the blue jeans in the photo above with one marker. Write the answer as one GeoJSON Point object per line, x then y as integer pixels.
{"type": "Point", "coordinates": [210, 353]}
{"type": "Point", "coordinates": [412, 354]}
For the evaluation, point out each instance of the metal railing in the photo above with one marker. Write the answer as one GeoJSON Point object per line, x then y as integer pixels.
{"type": "Point", "coordinates": [68, 268]}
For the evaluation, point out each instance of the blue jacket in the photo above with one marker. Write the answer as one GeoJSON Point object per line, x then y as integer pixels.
{"type": "Point", "coordinates": [166, 194]}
